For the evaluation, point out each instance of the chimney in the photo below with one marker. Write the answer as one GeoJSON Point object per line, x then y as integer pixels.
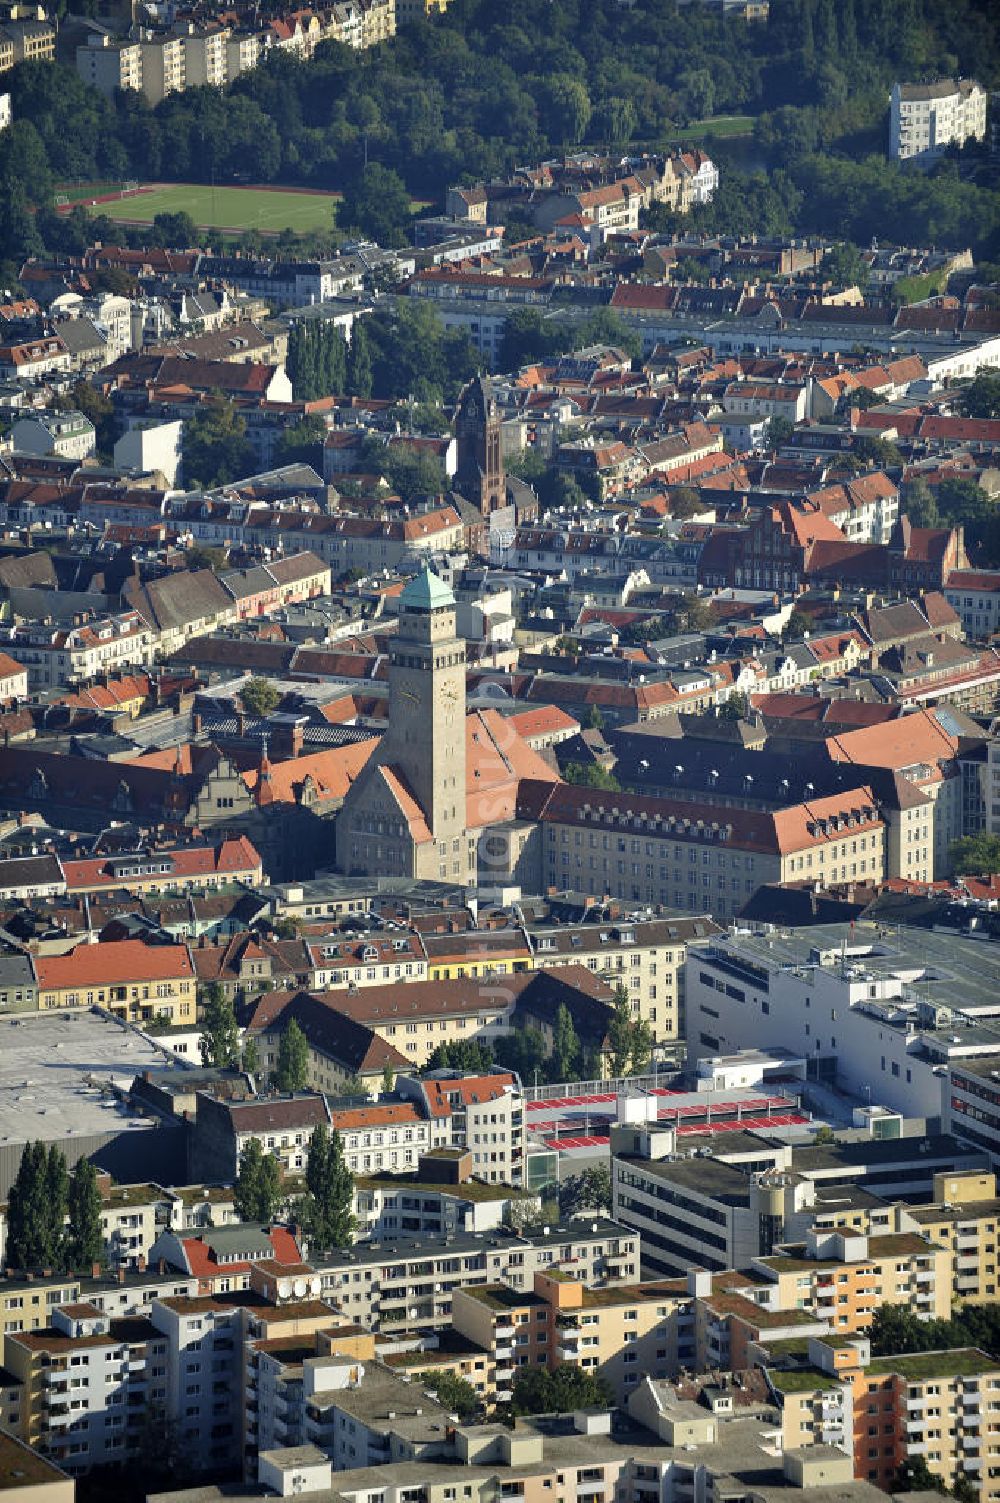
{"type": "Point", "coordinates": [121, 1275]}
{"type": "Point", "coordinates": [140, 1262]}
{"type": "Point", "coordinates": [95, 1270]}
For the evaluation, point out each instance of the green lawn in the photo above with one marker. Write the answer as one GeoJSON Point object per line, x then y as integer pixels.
{"type": "Point", "coordinates": [225, 208]}
{"type": "Point", "coordinates": [717, 125]}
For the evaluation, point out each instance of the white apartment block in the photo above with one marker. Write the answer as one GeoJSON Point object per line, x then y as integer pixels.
{"type": "Point", "coordinates": [974, 594]}
{"type": "Point", "coordinates": [925, 118]}
{"type": "Point", "coordinates": [164, 62]}
{"type": "Point", "coordinates": [106, 64]}
{"type": "Point", "coordinates": [59, 657]}
{"type": "Point", "coordinates": [206, 58]}
{"type": "Point", "coordinates": [203, 1395]}
{"type": "Point", "coordinates": [243, 51]}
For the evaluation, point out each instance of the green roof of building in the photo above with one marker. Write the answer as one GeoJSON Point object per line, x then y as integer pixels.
{"type": "Point", "coordinates": [427, 591]}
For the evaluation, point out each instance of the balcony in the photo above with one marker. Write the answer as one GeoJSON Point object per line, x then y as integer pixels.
{"type": "Point", "coordinates": [504, 1331]}
{"type": "Point", "coordinates": [504, 1353]}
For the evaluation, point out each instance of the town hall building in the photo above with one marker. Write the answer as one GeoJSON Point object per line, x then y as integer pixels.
{"type": "Point", "coordinates": [440, 779]}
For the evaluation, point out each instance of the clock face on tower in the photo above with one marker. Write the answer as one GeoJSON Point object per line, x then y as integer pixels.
{"type": "Point", "coordinates": [409, 694]}
{"type": "Point", "coordinates": [450, 693]}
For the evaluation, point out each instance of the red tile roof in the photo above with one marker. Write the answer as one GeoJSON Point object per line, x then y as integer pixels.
{"type": "Point", "coordinates": [114, 963]}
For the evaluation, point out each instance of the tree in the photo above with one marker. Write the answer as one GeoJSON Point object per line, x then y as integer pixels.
{"type": "Point", "coordinates": [920, 504]}
{"type": "Point", "coordinates": [697, 613]}
{"type": "Point", "coordinates": [215, 446]}
{"type": "Point", "coordinates": [566, 1049]}
{"type": "Point", "coordinates": [895, 1328]}
{"type": "Point", "coordinates": [456, 1394]}
{"type": "Point", "coordinates": [302, 442]}
{"type": "Point", "coordinates": [736, 707]}
{"type": "Point", "coordinates": [523, 1052]}
{"type": "Point", "coordinates": [56, 1202]}
{"type": "Point", "coordinates": [174, 231]}
{"type": "Point", "coordinates": [844, 265]}
{"type": "Point", "coordinates": [538, 1391]}
{"type": "Point", "coordinates": [257, 1192]}
{"type": "Point", "coordinates": [220, 1034]}
{"type": "Point", "coordinates": [85, 1237]}
{"type": "Point", "coordinates": [251, 1057]}
{"type": "Point", "coordinates": [587, 1191]}
{"type": "Point", "coordinates": [329, 1204]}
{"type": "Point", "coordinates": [779, 431]}
{"type": "Point", "coordinates": [377, 204]}
{"type": "Point", "coordinates": [85, 398]}
{"type": "Point", "coordinates": [293, 1059]}
{"type": "Point", "coordinates": [359, 363]}
{"type": "Point", "coordinates": [591, 775]}
{"type": "Point", "coordinates": [201, 556]}
{"type": "Point", "coordinates": [260, 697]}
{"type": "Point", "coordinates": [468, 1055]}
{"type": "Point", "coordinates": [797, 625]}
{"type": "Point", "coordinates": [630, 1036]}
{"type": "Point", "coordinates": [914, 1475]}
{"type": "Point", "coordinates": [36, 1209]}
{"type": "Point", "coordinates": [411, 472]}
{"type": "Point", "coordinates": [685, 501]}
{"type": "Point", "coordinates": [595, 720]}
{"type": "Point", "coordinates": [388, 1080]}
{"type": "Point", "coordinates": [567, 108]}
{"type": "Point", "coordinates": [981, 398]}
{"type": "Point", "coordinates": [978, 855]}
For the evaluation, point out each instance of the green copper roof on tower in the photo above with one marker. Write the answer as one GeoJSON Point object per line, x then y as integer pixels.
{"type": "Point", "coordinates": [427, 591]}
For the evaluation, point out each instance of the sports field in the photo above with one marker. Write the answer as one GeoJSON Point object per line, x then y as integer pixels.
{"type": "Point", "coordinates": [265, 209]}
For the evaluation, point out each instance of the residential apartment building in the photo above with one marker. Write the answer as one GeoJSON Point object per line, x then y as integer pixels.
{"type": "Point", "coordinates": [202, 1391]}
{"type": "Point", "coordinates": [206, 57]}
{"type": "Point", "coordinates": [181, 869]}
{"type": "Point", "coordinates": [60, 657]}
{"type": "Point", "coordinates": [133, 981]}
{"type": "Point", "coordinates": [963, 1217]}
{"type": "Point", "coordinates": [975, 595]}
{"type": "Point", "coordinates": [283, 1375]}
{"type": "Point", "coordinates": [843, 1278]}
{"type": "Point", "coordinates": [281, 1125]}
{"type": "Point", "coordinates": [485, 1116]}
{"type": "Point", "coordinates": [109, 64]}
{"type": "Point", "coordinates": [388, 1137]}
{"type": "Point", "coordinates": [925, 118]}
{"type": "Point", "coordinates": [408, 1284]}
{"type": "Point", "coordinates": [620, 1334]}
{"type": "Point", "coordinates": [87, 1380]}
{"type": "Point", "coordinates": [164, 64]}
{"type": "Point", "coordinates": [647, 956]}
{"type": "Point", "coordinates": [33, 40]}
{"type": "Point", "coordinates": [68, 434]}
{"type": "Point", "coordinates": [938, 1407]}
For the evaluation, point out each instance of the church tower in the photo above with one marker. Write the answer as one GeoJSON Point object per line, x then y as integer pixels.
{"type": "Point", "coordinates": [479, 473]}
{"type": "Point", "coordinates": [426, 736]}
